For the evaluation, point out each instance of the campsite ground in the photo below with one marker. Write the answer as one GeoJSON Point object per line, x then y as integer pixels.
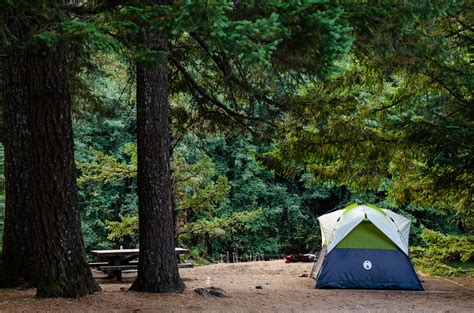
{"type": "Point", "coordinates": [283, 290]}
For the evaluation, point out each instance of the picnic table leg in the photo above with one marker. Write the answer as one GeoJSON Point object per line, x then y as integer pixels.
{"type": "Point", "coordinates": [110, 274]}
{"type": "Point", "coordinates": [117, 273]}
{"type": "Point", "coordinates": [101, 259]}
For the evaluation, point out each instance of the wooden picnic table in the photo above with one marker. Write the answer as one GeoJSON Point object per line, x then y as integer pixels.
{"type": "Point", "coordinates": [113, 262]}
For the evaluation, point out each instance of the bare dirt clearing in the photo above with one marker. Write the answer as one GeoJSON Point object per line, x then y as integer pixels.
{"type": "Point", "coordinates": [282, 290]}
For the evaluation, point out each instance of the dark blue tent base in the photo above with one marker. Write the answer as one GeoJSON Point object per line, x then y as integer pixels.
{"type": "Point", "coordinates": [368, 269]}
{"type": "Point", "coordinates": [366, 285]}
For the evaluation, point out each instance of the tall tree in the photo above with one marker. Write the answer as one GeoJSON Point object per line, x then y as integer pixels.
{"type": "Point", "coordinates": [59, 257]}
{"type": "Point", "coordinates": [157, 269]}
{"type": "Point", "coordinates": [232, 43]}
{"type": "Point", "coordinates": [62, 269]}
{"type": "Point", "coordinates": [17, 266]}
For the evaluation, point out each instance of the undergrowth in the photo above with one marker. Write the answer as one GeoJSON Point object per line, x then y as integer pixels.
{"type": "Point", "coordinates": [442, 254]}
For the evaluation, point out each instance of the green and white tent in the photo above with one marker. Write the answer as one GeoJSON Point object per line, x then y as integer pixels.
{"type": "Point", "coordinates": [364, 246]}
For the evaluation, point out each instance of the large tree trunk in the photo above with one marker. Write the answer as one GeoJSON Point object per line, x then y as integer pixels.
{"type": "Point", "coordinates": [43, 239]}
{"type": "Point", "coordinates": [17, 268]}
{"type": "Point", "coordinates": [157, 269]}
{"type": "Point", "coordinates": [62, 270]}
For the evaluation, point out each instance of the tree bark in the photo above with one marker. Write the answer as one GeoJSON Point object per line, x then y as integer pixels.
{"type": "Point", "coordinates": [43, 239]}
{"type": "Point", "coordinates": [62, 270]}
{"type": "Point", "coordinates": [157, 268]}
{"type": "Point", "coordinates": [17, 268]}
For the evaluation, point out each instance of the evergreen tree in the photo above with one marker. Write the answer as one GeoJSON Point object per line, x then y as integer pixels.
{"type": "Point", "coordinates": [158, 268]}
{"type": "Point", "coordinates": [17, 266]}
{"type": "Point", "coordinates": [60, 268]}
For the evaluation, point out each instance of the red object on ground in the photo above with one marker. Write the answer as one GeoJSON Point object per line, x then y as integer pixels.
{"type": "Point", "coordinates": [308, 257]}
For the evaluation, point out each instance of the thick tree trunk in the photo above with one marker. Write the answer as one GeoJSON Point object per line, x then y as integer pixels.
{"type": "Point", "coordinates": [43, 240]}
{"type": "Point", "coordinates": [157, 269]}
{"type": "Point", "coordinates": [17, 268]}
{"type": "Point", "coordinates": [62, 270]}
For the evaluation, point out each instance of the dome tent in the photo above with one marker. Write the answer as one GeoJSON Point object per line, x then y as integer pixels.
{"type": "Point", "coordinates": [365, 246]}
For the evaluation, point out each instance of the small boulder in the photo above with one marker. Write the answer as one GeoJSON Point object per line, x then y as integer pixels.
{"type": "Point", "coordinates": [304, 275]}
{"type": "Point", "coordinates": [203, 292]}
{"type": "Point", "coordinates": [218, 292]}
{"type": "Point", "coordinates": [213, 291]}
{"type": "Point", "coordinates": [259, 287]}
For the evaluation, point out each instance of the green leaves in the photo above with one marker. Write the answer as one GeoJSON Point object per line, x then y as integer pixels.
{"type": "Point", "coordinates": [439, 252]}
{"type": "Point", "coordinates": [120, 230]}
{"type": "Point", "coordinates": [199, 191]}
{"type": "Point", "coordinates": [250, 42]}
{"type": "Point", "coordinates": [106, 169]}
{"type": "Point", "coordinates": [220, 228]}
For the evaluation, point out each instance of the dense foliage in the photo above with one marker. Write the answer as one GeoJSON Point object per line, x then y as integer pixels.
{"type": "Point", "coordinates": [398, 118]}
{"type": "Point", "coordinates": [444, 254]}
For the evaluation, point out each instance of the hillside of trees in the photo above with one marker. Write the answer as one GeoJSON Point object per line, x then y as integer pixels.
{"type": "Point", "coordinates": [228, 127]}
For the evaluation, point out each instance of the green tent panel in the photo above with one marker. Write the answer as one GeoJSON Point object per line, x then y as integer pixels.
{"type": "Point", "coordinates": [366, 236]}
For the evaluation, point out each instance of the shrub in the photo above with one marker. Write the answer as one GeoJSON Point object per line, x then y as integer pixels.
{"type": "Point", "coordinates": [440, 252]}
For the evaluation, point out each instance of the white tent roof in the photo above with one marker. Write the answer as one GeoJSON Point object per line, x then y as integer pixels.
{"type": "Point", "coordinates": [337, 225]}
{"type": "Point", "coordinates": [403, 224]}
{"type": "Point", "coordinates": [327, 222]}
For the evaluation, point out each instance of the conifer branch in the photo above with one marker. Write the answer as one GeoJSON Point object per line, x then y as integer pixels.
{"type": "Point", "coordinates": [236, 115]}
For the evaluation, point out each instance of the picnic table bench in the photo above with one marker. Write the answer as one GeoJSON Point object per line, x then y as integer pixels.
{"type": "Point", "coordinates": [113, 262]}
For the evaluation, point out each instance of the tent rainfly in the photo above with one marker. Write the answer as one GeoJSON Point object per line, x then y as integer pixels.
{"type": "Point", "coordinates": [364, 246]}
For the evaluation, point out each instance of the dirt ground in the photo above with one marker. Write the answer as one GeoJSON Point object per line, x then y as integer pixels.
{"type": "Point", "coordinates": [283, 291]}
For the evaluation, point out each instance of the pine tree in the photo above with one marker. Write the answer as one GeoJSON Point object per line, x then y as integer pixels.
{"type": "Point", "coordinates": [17, 266]}
{"type": "Point", "coordinates": [60, 268]}
{"type": "Point", "coordinates": [157, 269]}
